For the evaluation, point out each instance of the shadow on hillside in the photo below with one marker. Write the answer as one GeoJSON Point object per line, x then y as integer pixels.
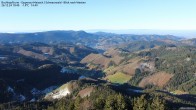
{"type": "Point", "coordinates": [187, 97]}
{"type": "Point", "coordinates": [127, 89]}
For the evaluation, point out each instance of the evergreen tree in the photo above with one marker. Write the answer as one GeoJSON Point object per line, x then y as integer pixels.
{"type": "Point", "coordinates": [77, 103]}
{"type": "Point", "coordinates": [100, 102]}
{"type": "Point", "coordinates": [115, 102]}
{"type": "Point", "coordinates": [140, 103]}
{"type": "Point", "coordinates": [157, 104]}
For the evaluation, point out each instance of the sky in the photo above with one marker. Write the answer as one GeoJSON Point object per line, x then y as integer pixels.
{"type": "Point", "coordinates": [101, 14]}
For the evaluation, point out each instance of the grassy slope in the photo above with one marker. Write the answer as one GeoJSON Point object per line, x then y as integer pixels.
{"type": "Point", "coordinates": [119, 77]}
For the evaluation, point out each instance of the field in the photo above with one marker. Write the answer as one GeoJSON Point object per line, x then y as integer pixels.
{"type": "Point", "coordinates": [119, 77]}
{"type": "Point", "coordinates": [179, 92]}
{"type": "Point", "coordinates": [159, 79]}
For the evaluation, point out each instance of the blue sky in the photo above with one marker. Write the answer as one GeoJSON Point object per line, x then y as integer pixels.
{"type": "Point", "coordinates": [102, 14]}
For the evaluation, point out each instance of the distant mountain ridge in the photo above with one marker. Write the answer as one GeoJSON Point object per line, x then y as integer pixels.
{"type": "Point", "coordinates": [181, 33]}
{"type": "Point", "coordinates": [99, 40]}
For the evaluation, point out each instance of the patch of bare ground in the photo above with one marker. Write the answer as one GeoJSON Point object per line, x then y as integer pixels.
{"type": "Point", "coordinates": [159, 79]}
{"type": "Point", "coordinates": [128, 68]}
{"type": "Point", "coordinates": [179, 92]}
{"type": "Point", "coordinates": [117, 59]}
{"type": "Point", "coordinates": [112, 52]}
{"type": "Point", "coordinates": [103, 61]}
{"type": "Point", "coordinates": [86, 92]}
{"type": "Point", "coordinates": [112, 55]}
{"type": "Point", "coordinates": [31, 54]}
{"type": "Point", "coordinates": [72, 49]}
{"type": "Point", "coordinates": [97, 59]}
{"type": "Point", "coordinates": [89, 58]}
{"type": "Point", "coordinates": [147, 66]}
{"type": "Point", "coordinates": [48, 50]}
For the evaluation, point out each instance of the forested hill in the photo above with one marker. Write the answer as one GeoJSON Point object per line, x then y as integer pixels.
{"type": "Point", "coordinates": [98, 40]}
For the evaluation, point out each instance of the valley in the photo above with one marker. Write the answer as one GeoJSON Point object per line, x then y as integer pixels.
{"type": "Point", "coordinates": [76, 70]}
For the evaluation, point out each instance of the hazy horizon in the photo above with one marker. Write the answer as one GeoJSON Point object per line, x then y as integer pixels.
{"type": "Point", "coordinates": [179, 33]}
{"type": "Point", "coordinates": [101, 14]}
